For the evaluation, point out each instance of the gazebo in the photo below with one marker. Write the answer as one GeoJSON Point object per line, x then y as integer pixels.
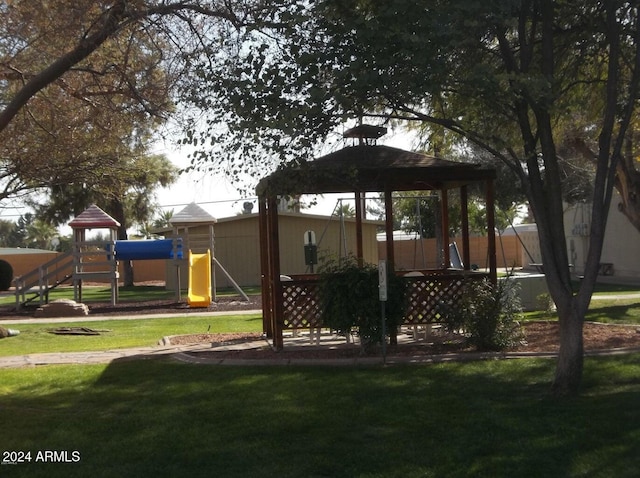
{"type": "Point", "coordinates": [291, 302]}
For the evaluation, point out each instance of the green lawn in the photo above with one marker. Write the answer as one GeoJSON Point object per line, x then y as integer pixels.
{"type": "Point", "coordinates": [165, 419]}
{"type": "Point", "coordinates": [125, 294]}
{"type": "Point", "coordinates": [161, 418]}
{"type": "Point", "coordinates": [614, 311]}
{"type": "Point", "coordinates": [36, 338]}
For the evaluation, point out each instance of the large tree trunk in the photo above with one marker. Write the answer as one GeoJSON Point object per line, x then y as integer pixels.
{"type": "Point", "coordinates": [628, 185]}
{"type": "Point", "coordinates": [569, 366]}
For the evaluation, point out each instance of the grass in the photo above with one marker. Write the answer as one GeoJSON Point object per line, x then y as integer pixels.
{"type": "Point", "coordinates": [161, 418]}
{"type": "Point", "coordinates": [612, 311]}
{"type": "Point", "coordinates": [484, 419]}
{"type": "Point", "coordinates": [36, 338]}
{"type": "Point", "coordinates": [125, 294]}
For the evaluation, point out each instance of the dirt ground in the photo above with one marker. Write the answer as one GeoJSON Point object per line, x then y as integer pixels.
{"type": "Point", "coordinates": [538, 336]}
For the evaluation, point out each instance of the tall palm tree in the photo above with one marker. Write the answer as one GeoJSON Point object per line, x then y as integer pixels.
{"type": "Point", "coordinates": [40, 234]}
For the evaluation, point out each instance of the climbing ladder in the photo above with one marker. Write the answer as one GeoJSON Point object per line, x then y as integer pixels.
{"type": "Point", "coordinates": [45, 278]}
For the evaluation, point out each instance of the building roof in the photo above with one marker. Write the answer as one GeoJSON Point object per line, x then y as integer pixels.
{"type": "Point", "coordinates": [14, 251]}
{"type": "Point", "coordinates": [192, 214]}
{"type": "Point", "coordinates": [93, 217]}
{"type": "Point", "coordinates": [372, 168]}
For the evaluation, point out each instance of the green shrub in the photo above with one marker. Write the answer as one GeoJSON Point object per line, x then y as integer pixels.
{"type": "Point", "coordinates": [350, 300]}
{"type": "Point", "coordinates": [6, 275]}
{"type": "Point", "coordinates": [488, 314]}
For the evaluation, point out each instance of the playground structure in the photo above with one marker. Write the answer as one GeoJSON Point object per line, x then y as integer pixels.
{"type": "Point", "coordinates": [98, 260]}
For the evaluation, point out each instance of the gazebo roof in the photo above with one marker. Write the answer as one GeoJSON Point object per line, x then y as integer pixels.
{"type": "Point", "coordinates": [93, 217]}
{"type": "Point", "coordinates": [372, 168]}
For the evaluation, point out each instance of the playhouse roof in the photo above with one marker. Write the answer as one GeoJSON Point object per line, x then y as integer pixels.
{"type": "Point", "coordinates": [192, 214]}
{"type": "Point", "coordinates": [93, 217]}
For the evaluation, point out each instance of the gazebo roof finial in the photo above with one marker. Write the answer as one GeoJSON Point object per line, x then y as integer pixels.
{"type": "Point", "coordinates": [365, 133]}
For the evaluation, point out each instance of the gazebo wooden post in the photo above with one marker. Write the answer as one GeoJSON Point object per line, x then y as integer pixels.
{"type": "Point", "coordinates": [491, 232]}
{"type": "Point", "coordinates": [265, 271]}
{"type": "Point", "coordinates": [444, 203]}
{"type": "Point", "coordinates": [276, 285]}
{"type": "Point", "coordinates": [466, 253]}
{"type": "Point", "coordinates": [359, 210]}
{"type": "Point", "coordinates": [388, 226]}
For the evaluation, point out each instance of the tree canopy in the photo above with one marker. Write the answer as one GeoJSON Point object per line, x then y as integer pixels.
{"type": "Point", "coordinates": [545, 87]}
{"type": "Point", "coordinates": [80, 83]}
{"type": "Point", "coordinates": [526, 81]}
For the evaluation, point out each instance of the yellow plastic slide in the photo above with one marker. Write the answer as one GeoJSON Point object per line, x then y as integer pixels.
{"type": "Point", "coordinates": [199, 293]}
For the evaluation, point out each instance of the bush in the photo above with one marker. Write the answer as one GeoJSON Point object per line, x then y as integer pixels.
{"type": "Point", "coordinates": [350, 300]}
{"type": "Point", "coordinates": [488, 314]}
{"type": "Point", "coordinates": [6, 275]}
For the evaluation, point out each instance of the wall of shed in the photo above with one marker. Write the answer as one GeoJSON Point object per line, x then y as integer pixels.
{"type": "Point", "coordinates": [237, 245]}
{"type": "Point", "coordinates": [621, 248]}
{"type": "Point", "coordinates": [422, 253]}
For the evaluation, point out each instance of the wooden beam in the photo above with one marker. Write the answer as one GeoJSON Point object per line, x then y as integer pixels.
{"type": "Point", "coordinates": [444, 203]}
{"type": "Point", "coordinates": [388, 226]}
{"type": "Point", "coordinates": [359, 213]}
{"type": "Point", "coordinates": [274, 254]}
{"type": "Point", "coordinates": [466, 253]}
{"type": "Point", "coordinates": [491, 231]}
{"type": "Point", "coordinates": [265, 274]}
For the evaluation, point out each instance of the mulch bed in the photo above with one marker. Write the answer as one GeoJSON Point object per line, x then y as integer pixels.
{"type": "Point", "coordinates": [539, 337]}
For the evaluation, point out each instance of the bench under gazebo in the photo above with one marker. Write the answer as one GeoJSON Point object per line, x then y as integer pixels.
{"type": "Point", "coordinates": [290, 302]}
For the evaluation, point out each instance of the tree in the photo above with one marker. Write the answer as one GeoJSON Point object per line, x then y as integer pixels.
{"type": "Point", "coordinates": [127, 195]}
{"type": "Point", "coordinates": [41, 234]}
{"type": "Point", "coordinates": [6, 228]}
{"type": "Point", "coordinates": [17, 237]}
{"type": "Point", "coordinates": [346, 210]}
{"type": "Point", "coordinates": [512, 78]}
{"type": "Point", "coordinates": [162, 219]}
{"type": "Point", "coordinates": [68, 132]}
{"type": "Point", "coordinates": [115, 55]}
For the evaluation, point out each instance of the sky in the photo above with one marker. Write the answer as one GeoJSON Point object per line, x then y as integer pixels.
{"type": "Point", "coordinates": [214, 193]}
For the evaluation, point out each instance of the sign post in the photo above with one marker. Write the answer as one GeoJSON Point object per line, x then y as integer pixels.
{"type": "Point", "coordinates": [310, 249]}
{"type": "Point", "coordinates": [382, 295]}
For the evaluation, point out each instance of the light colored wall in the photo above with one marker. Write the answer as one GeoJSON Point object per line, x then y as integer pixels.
{"type": "Point", "coordinates": [621, 242]}
{"type": "Point", "coordinates": [237, 245]}
{"type": "Point", "coordinates": [24, 262]}
{"type": "Point", "coordinates": [144, 271]}
{"type": "Point", "coordinates": [422, 253]}
{"type": "Point", "coordinates": [333, 238]}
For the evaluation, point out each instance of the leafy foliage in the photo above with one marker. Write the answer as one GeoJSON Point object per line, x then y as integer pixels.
{"type": "Point", "coordinates": [6, 275]}
{"type": "Point", "coordinates": [523, 81]}
{"type": "Point", "coordinates": [488, 313]}
{"type": "Point", "coordinates": [350, 300]}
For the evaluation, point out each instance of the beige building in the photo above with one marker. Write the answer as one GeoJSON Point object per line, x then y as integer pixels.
{"type": "Point", "coordinates": [237, 245]}
{"type": "Point", "coordinates": [620, 259]}
{"type": "Point", "coordinates": [237, 249]}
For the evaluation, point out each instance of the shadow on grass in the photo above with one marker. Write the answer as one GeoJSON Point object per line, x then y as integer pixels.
{"type": "Point", "coordinates": [611, 313]}
{"type": "Point", "coordinates": [495, 418]}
